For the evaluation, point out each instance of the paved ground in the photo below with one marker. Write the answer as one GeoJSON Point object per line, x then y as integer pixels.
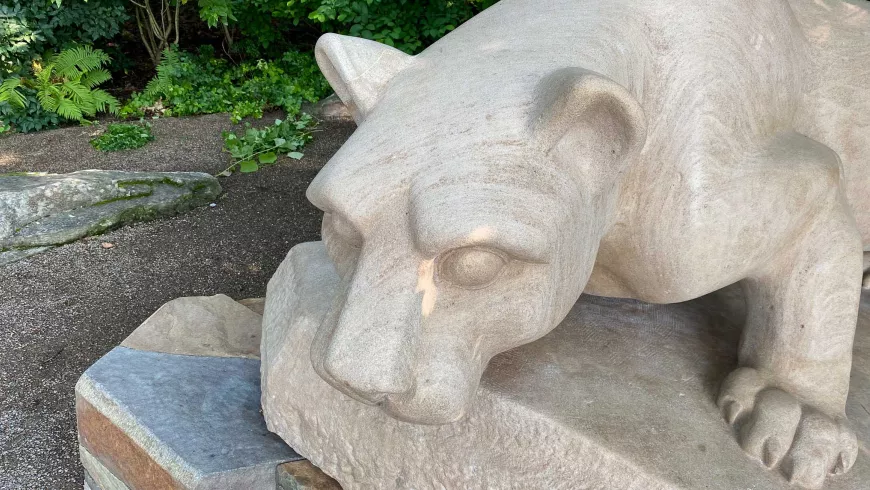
{"type": "Point", "coordinates": [61, 311]}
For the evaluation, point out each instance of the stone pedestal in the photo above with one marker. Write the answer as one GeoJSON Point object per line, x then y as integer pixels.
{"type": "Point", "coordinates": [621, 395]}
{"type": "Point", "coordinates": [177, 406]}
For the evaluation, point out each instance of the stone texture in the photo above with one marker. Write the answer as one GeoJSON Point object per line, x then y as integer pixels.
{"type": "Point", "coordinates": [156, 420]}
{"type": "Point", "coordinates": [97, 476]}
{"type": "Point", "coordinates": [302, 475]}
{"type": "Point", "coordinates": [329, 109]}
{"type": "Point", "coordinates": [200, 326]}
{"type": "Point", "coordinates": [621, 395]}
{"type": "Point", "coordinates": [257, 305]}
{"type": "Point", "coordinates": [45, 210]}
{"type": "Point", "coordinates": [656, 150]}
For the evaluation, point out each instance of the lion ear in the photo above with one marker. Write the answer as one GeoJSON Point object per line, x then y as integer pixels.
{"type": "Point", "coordinates": [358, 69]}
{"type": "Point", "coordinates": [588, 118]}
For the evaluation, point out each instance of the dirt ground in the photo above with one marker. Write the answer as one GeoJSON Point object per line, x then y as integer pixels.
{"type": "Point", "coordinates": [62, 310]}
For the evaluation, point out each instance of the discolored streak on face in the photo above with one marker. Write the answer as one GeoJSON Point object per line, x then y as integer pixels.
{"type": "Point", "coordinates": [426, 285]}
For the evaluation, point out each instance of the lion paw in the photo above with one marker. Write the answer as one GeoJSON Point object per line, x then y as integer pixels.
{"type": "Point", "coordinates": [778, 430]}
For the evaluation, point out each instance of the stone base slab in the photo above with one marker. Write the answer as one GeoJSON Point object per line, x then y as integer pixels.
{"type": "Point", "coordinates": [181, 410]}
{"type": "Point", "coordinates": [620, 395]}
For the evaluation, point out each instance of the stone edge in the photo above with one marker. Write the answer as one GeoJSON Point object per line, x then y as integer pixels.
{"type": "Point", "coordinates": [90, 392]}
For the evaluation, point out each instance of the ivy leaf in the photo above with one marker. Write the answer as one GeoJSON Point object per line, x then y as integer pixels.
{"type": "Point", "coordinates": [295, 155]}
{"type": "Point", "coordinates": [248, 166]}
{"type": "Point", "coordinates": [267, 158]}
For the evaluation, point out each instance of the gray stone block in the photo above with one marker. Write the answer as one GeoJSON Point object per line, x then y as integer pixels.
{"type": "Point", "coordinates": [156, 420]}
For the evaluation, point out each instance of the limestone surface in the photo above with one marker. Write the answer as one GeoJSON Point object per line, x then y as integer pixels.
{"type": "Point", "coordinates": [200, 326]}
{"type": "Point", "coordinates": [302, 475]}
{"type": "Point", "coordinates": [156, 420]}
{"type": "Point", "coordinates": [39, 211]}
{"type": "Point", "coordinates": [621, 395]}
{"type": "Point", "coordinates": [658, 150]}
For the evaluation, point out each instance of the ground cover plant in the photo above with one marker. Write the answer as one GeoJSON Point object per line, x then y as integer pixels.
{"type": "Point", "coordinates": [123, 137]}
{"type": "Point", "coordinates": [202, 83]}
{"type": "Point", "coordinates": [257, 147]}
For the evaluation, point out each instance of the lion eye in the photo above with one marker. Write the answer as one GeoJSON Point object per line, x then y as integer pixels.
{"type": "Point", "coordinates": [471, 267]}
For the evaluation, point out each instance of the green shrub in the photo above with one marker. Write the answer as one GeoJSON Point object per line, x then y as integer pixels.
{"type": "Point", "coordinates": [29, 28]}
{"type": "Point", "coordinates": [30, 117]}
{"type": "Point", "coordinates": [189, 84]}
{"type": "Point", "coordinates": [256, 147]}
{"type": "Point", "coordinates": [262, 26]}
{"type": "Point", "coordinates": [123, 137]}
{"type": "Point", "coordinates": [65, 84]}
{"type": "Point", "coordinates": [406, 24]}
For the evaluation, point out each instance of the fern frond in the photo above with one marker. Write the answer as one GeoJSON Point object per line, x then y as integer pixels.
{"type": "Point", "coordinates": [43, 76]}
{"type": "Point", "coordinates": [75, 61]}
{"type": "Point", "coordinates": [163, 78]}
{"type": "Point", "coordinates": [103, 102]}
{"type": "Point", "coordinates": [77, 92]}
{"type": "Point", "coordinates": [94, 78]}
{"type": "Point", "coordinates": [9, 92]}
{"type": "Point", "coordinates": [153, 87]}
{"type": "Point", "coordinates": [48, 98]}
{"type": "Point", "coordinates": [68, 109]}
{"type": "Point", "coordinates": [170, 57]}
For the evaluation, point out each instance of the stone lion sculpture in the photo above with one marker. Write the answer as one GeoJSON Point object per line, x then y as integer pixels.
{"type": "Point", "coordinates": [653, 150]}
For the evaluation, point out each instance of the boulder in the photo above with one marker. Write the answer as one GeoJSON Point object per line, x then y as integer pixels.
{"type": "Point", "coordinates": [40, 211]}
{"type": "Point", "coordinates": [200, 326]}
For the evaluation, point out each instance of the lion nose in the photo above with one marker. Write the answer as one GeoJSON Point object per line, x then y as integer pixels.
{"type": "Point", "coordinates": [372, 351]}
{"type": "Point", "coordinates": [372, 357]}
{"type": "Point", "coordinates": [371, 377]}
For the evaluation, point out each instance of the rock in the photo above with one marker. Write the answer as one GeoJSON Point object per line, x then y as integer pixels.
{"type": "Point", "coordinates": [254, 304]}
{"type": "Point", "coordinates": [97, 476]}
{"type": "Point", "coordinates": [200, 326]}
{"type": "Point", "coordinates": [329, 109]}
{"type": "Point", "coordinates": [620, 395]}
{"type": "Point", "coordinates": [45, 210]}
{"type": "Point", "coordinates": [10, 256]}
{"type": "Point", "coordinates": [155, 420]}
{"type": "Point", "coordinates": [302, 475]}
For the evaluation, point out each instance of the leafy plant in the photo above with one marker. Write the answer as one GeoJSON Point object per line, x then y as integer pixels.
{"type": "Point", "coordinates": [29, 28]}
{"type": "Point", "coordinates": [405, 24]}
{"type": "Point", "coordinates": [66, 84]}
{"type": "Point", "coordinates": [257, 147]}
{"type": "Point", "coordinates": [409, 25]}
{"type": "Point", "coordinates": [31, 117]}
{"type": "Point", "coordinates": [123, 137]}
{"type": "Point", "coordinates": [189, 84]}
